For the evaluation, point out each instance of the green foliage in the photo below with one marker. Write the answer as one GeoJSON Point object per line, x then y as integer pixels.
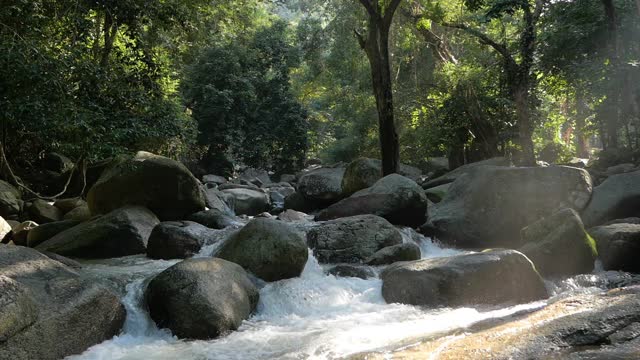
{"type": "Point", "coordinates": [240, 96]}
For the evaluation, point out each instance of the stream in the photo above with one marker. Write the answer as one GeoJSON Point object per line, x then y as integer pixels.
{"type": "Point", "coordinates": [314, 316]}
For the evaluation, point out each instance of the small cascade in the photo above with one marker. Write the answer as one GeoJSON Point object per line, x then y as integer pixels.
{"type": "Point", "coordinates": [314, 316]}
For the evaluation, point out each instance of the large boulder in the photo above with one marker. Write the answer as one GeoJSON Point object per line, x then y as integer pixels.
{"type": "Point", "coordinates": [364, 172]}
{"type": "Point", "coordinates": [201, 298]}
{"type": "Point", "coordinates": [618, 246]}
{"type": "Point", "coordinates": [42, 212]}
{"type": "Point", "coordinates": [270, 249]}
{"type": "Point", "coordinates": [558, 245]}
{"type": "Point", "coordinates": [21, 232]}
{"type": "Point", "coordinates": [617, 197]}
{"type": "Point", "coordinates": [586, 326]}
{"type": "Point", "coordinates": [216, 199]}
{"type": "Point", "coordinates": [491, 277]}
{"type": "Point", "coordinates": [391, 254]}
{"type": "Point", "coordinates": [44, 232]}
{"type": "Point", "coordinates": [489, 206]}
{"type": "Point", "coordinates": [177, 239]}
{"type": "Point", "coordinates": [10, 202]}
{"type": "Point", "coordinates": [214, 219]}
{"type": "Point", "coordinates": [394, 197]}
{"type": "Point", "coordinates": [323, 185]}
{"type": "Point", "coordinates": [48, 311]}
{"type": "Point", "coordinates": [465, 169]}
{"type": "Point", "coordinates": [162, 185]}
{"type": "Point", "coordinates": [352, 239]}
{"type": "Point", "coordinates": [355, 271]}
{"type": "Point", "coordinates": [248, 201]}
{"type": "Point", "coordinates": [121, 232]}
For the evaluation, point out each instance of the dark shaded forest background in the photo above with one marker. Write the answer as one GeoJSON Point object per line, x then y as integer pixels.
{"type": "Point", "coordinates": [269, 84]}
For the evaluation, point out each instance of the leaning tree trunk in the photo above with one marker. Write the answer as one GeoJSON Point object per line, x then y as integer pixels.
{"type": "Point", "coordinates": [525, 124]}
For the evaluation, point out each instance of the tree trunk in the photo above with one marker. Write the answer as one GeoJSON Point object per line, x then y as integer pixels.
{"type": "Point", "coordinates": [613, 117]}
{"type": "Point", "coordinates": [582, 149]}
{"type": "Point", "coordinates": [376, 47]}
{"type": "Point", "coordinates": [525, 125]}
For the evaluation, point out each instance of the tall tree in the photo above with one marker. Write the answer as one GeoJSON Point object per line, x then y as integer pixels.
{"type": "Point", "coordinates": [517, 67]}
{"type": "Point", "coordinates": [376, 46]}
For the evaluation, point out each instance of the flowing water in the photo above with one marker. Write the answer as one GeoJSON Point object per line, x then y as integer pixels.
{"type": "Point", "coordinates": [315, 316]}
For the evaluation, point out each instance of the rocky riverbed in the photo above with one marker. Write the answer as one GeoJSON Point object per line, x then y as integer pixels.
{"type": "Point", "coordinates": [489, 260]}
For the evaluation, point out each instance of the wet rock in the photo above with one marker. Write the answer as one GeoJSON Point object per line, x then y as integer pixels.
{"type": "Point", "coordinates": [344, 270]}
{"type": "Point", "coordinates": [558, 245]}
{"type": "Point", "coordinates": [248, 201]}
{"type": "Point", "coordinates": [352, 239]}
{"type": "Point", "coordinates": [73, 313]}
{"type": "Point", "coordinates": [396, 198]}
{"type": "Point", "coordinates": [177, 239]}
{"type": "Point", "coordinates": [162, 185]}
{"type": "Point", "coordinates": [620, 169]}
{"type": "Point", "coordinates": [220, 201]}
{"type": "Point", "coordinates": [44, 232]}
{"type": "Point", "coordinates": [214, 219]}
{"type": "Point", "coordinates": [618, 246]}
{"type": "Point", "coordinates": [617, 197]}
{"type": "Point", "coordinates": [489, 207]}
{"type": "Point", "coordinates": [288, 178]}
{"type": "Point", "coordinates": [269, 249]}
{"type": "Point", "coordinates": [10, 202]}
{"type": "Point", "coordinates": [251, 174]}
{"type": "Point", "coordinates": [323, 185]}
{"type": "Point", "coordinates": [395, 253]}
{"type": "Point", "coordinates": [292, 215]}
{"type": "Point", "coordinates": [121, 232]}
{"type": "Point", "coordinates": [491, 277]}
{"type": "Point", "coordinates": [42, 212]}
{"type": "Point", "coordinates": [298, 202]}
{"type": "Point", "coordinates": [214, 179]}
{"type": "Point", "coordinates": [578, 327]}
{"type": "Point", "coordinates": [201, 298]}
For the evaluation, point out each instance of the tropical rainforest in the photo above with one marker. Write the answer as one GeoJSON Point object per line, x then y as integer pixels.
{"type": "Point", "coordinates": [268, 84]}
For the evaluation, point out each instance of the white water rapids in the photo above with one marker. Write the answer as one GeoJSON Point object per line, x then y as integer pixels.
{"type": "Point", "coordinates": [315, 316]}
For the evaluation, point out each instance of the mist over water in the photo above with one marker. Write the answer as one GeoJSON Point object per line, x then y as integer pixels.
{"type": "Point", "coordinates": [314, 316]}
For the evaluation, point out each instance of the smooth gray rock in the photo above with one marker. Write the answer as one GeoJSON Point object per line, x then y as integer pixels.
{"type": "Point", "coordinates": [616, 198]}
{"type": "Point", "coordinates": [177, 239]}
{"type": "Point", "coordinates": [559, 245]}
{"type": "Point", "coordinates": [42, 212]}
{"type": "Point", "coordinates": [248, 201]}
{"type": "Point", "coordinates": [322, 185]}
{"type": "Point", "coordinates": [489, 206]}
{"type": "Point", "coordinates": [54, 312]}
{"type": "Point", "coordinates": [352, 239]}
{"type": "Point", "coordinates": [395, 253]}
{"type": "Point", "coordinates": [618, 246]}
{"type": "Point", "coordinates": [347, 270]}
{"type": "Point", "coordinates": [394, 197]}
{"type": "Point", "coordinates": [164, 186]}
{"type": "Point", "coordinates": [201, 298]}
{"type": "Point", "coordinates": [490, 277]}
{"type": "Point", "coordinates": [214, 219]}
{"type": "Point", "coordinates": [44, 232]}
{"type": "Point", "coordinates": [270, 249]}
{"type": "Point", "coordinates": [122, 232]}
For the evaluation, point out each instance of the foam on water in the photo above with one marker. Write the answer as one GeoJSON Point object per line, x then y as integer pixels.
{"type": "Point", "coordinates": [314, 316]}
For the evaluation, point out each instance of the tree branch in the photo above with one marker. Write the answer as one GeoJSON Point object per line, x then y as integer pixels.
{"type": "Point", "coordinates": [388, 14]}
{"type": "Point", "coordinates": [484, 39]}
